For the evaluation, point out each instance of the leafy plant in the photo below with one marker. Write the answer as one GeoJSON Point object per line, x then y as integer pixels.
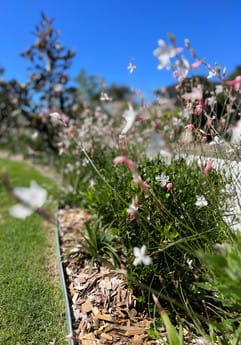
{"type": "Point", "coordinates": [224, 283]}
{"type": "Point", "coordinates": [100, 243]}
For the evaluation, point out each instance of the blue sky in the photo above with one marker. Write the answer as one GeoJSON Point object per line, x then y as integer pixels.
{"type": "Point", "coordinates": [106, 34]}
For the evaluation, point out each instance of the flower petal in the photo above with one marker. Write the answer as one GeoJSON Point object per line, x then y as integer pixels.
{"type": "Point", "coordinates": [20, 211]}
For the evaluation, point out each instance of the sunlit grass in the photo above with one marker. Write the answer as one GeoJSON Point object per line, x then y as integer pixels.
{"type": "Point", "coordinates": [31, 303]}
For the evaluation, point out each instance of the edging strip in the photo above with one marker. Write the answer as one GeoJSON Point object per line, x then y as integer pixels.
{"type": "Point", "coordinates": [64, 288]}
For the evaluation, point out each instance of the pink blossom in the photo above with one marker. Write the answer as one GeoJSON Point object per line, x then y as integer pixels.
{"type": "Point", "coordinates": [132, 211]}
{"type": "Point", "coordinates": [127, 161]}
{"type": "Point", "coordinates": [131, 165]}
{"type": "Point", "coordinates": [196, 64]}
{"type": "Point", "coordinates": [190, 127]}
{"type": "Point", "coordinates": [144, 186]}
{"type": "Point", "coordinates": [235, 82]}
{"type": "Point", "coordinates": [59, 117]}
{"type": "Point", "coordinates": [199, 107]}
{"type": "Point", "coordinates": [169, 186]}
{"type": "Point", "coordinates": [196, 94]}
{"type": "Point", "coordinates": [208, 167]}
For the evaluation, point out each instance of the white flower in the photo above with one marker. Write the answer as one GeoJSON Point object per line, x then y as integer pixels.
{"type": "Point", "coordinates": [130, 116]}
{"type": "Point", "coordinates": [236, 133]}
{"type": "Point", "coordinates": [140, 256]}
{"type": "Point", "coordinates": [131, 67]}
{"type": "Point", "coordinates": [211, 74]}
{"type": "Point", "coordinates": [31, 199]}
{"type": "Point", "coordinates": [105, 97]}
{"type": "Point", "coordinates": [189, 263]}
{"type": "Point", "coordinates": [201, 201]}
{"type": "Point", "coordinates": [218, 89]}
{"type": "Point", "coordinates": [58, 88]}
{"type": "Point", "coordinates": [163, 179]}
{"type": "Point", "coordinates": [164, 53]}
{"type": "Point", "coordinates": [35, 135]}
{"type": "Point", "coordinates": [230, 190]}
{"type": "Point", "coordinates": [182, 68]}
{"type": "Point", "coordinates": [216, 141]}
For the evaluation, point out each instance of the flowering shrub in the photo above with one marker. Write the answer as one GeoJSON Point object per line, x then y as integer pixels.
{"type": "Point", "coordinates": [179, 213]}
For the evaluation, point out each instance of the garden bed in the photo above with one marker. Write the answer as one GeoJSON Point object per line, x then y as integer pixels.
{"type": "Point", "coordinates": [103, 308]}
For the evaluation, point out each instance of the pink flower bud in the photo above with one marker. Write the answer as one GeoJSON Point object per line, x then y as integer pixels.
{"type": "Point", "coordinates": [169, 186]}
{"type": "Point", "coordinates": [190, 127]}
{"type": "Point", "coordinates": [127, 161]}
{"type": "Point", "coordinates": [208, 167]}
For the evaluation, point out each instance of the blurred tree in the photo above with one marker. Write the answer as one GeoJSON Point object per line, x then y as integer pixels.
{"type": "Point", "coordinates": [119, 92]}
{"type": "Point", "coordinates": [89, 87]}
{"type": "Point", "coordinates": [13, 100]}
{"type": "Point", "coordinates": [235, 73]}
{"type": "Point", "coordinates": [48, 81]}
{"type": "Point", "coordinates": [48, 87]}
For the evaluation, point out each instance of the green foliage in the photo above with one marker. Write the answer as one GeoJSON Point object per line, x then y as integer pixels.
{"type": "Point", "coordinates": [100, 243]}
{"type": "Point", "coordinates": [224, 282]}
{"type": "Point", "coordinates": [89, 87]}
{"type": "Point", "coordinates": [170, 224]}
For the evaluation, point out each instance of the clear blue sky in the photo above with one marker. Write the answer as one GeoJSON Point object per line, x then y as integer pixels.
{"type": "Point", "coordinates": [106, 34]}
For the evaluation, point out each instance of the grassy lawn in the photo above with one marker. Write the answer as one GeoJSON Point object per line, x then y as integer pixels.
{"type": "Point", "coordinates": [31, 302]}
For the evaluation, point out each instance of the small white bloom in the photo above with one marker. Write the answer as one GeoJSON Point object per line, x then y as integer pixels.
{"type": "Point", "coordinates": [212, 100]}
{"type": "Point", "coordinates": [211, 74]}
{"type": "Point", "coordinates": [58, 88]}
{"type": "Point", "coordinates": [201, 201]}
{"type": "Point", "coordinates": [140, 256]}
{"type": "Point", "coordinates": [105, 97]}
{"type": "Point", "coordinates": [131, 67]}
{"type": "Point", "coordinates": [163, 179]}
{"type": "Point", "coordinates": [32, 198]}
{"type": "Point", "coordinates": [216, 141]}
{"type": "Point", "coordinates": [236, 133]}
{"type": "Point", "coordinates": [230, 190]}
{"type": "Point", "coordinates": [130, 116]}
{"type": "Point", "coordinates": [35, 135]}
{"type": "Point", "coordinates": [182, 68]}
{"type": "Point", "coordinates": [189, 263]}
{"type": "Point", "coordinates": [164, 53]}
{"type": "Point", "coordinates": [218, 89]}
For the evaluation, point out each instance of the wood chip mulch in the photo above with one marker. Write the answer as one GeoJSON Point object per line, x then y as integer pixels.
{"type": "Point", "coordinates": [103, 307]}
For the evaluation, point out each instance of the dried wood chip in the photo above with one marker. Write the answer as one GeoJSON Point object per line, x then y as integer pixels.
{"type": "Point", "coordinates": [132, 313]}
{"type": "Point", "coordinates": [119, 311]}
{"type": "Point", "coordinates": [106, 336]}
{"type": "Point", "coordinates": [86, 307]}
{"type": "Point", "coordinates": [137, 340]}
{"type": "Point", "coordinates": [95, 311]}
{"type": "Point", "coordinates": [105, 317]}
{"type": "Point", "coordinates": [134, 331]}
{"type": "Point", "coordinates": [88, 339]}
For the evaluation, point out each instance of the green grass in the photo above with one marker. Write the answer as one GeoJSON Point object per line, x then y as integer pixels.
{"type": "Point", "coordinates": [31, 302]}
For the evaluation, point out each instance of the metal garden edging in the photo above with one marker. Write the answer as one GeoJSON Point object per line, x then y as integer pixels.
{"type": "Point", "coordinates": [64, 288]}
